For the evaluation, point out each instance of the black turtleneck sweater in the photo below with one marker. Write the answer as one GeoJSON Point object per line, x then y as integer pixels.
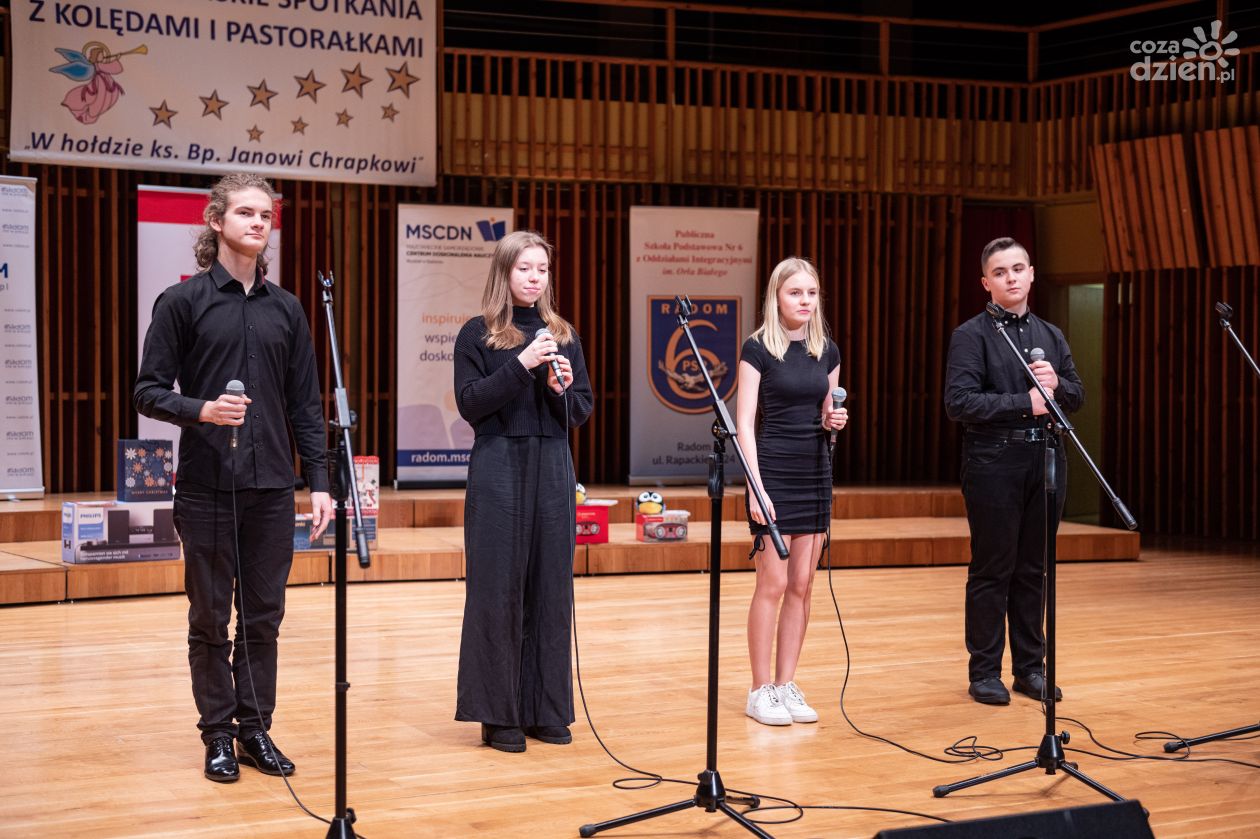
{"type": "Point", "coordinates": [498, 396]}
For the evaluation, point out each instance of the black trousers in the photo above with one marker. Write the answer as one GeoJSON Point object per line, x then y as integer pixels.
{"type": "Point", "coordinates": [1003, 487]}
{"type": "Point", "coordinates": [263, 527]}
{"type": "Point", "coordinates": [514, 656]}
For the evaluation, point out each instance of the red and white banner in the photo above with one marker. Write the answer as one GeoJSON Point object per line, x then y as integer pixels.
{"type": "Point", "coordinates": [168, 222]}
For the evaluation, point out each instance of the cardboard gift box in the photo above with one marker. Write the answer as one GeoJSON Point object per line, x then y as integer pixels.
{"type": "Point", "coordinates": [327, 540]}
{"type": "Point", "coordinates": [118, 531]}
{"type": "Point", "coordinates": [592, 521]}
{"type": "Point", "coordinates": [666, 526]}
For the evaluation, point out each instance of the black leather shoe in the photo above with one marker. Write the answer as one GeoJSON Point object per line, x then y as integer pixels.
{"type": "Point", "coordinates": [1034, 685]}
{"type": "Point", "coordinates": [990, 691]}
{"type": "Point", "coordinates": [557, 734]}
{"type": "Point", "coordinates": [221, 765]}
{"type": "Point", "coordinates": [502, 737]}
{"type": "Point", "coordinates": [258, 751]}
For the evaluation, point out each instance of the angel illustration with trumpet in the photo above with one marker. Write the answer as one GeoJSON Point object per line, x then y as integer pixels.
{"type": "Point", "coordinates": [95, 67]}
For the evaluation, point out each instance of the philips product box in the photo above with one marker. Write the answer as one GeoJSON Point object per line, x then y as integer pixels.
{"type": "Point", "coordinates": [667, 526]}
{"type": "Point", "coordinates": [146, 470]}
{"type": "Point", "coordinates": [118, 531]}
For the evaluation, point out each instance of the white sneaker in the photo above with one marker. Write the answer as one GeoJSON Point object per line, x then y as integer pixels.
{"type": "Point", "coordinates": [765, 706]}
{"type": "Point", "coordinates": [794, 701]}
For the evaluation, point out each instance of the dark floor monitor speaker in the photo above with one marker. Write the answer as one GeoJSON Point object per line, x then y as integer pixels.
{"type": "Point", "coordinates": [1120, 820]}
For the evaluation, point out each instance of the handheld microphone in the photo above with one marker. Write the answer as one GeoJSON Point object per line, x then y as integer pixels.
{"type": "Point", "coordinates": [838, 395]}
{"type": "Point", "coordinates": [555, 365]}
{"type": "Point", "coordinates": [1036, 354]}
{"type": "Point", "coordinates": [235, 388]}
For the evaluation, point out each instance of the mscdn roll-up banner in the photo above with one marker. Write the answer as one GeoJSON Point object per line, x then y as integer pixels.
{"type": "Point", "coordinates": [443, 260]}
{"type": "Point", "coordinates": [21, 454]}
{"type": "Point", "coordinates": [709, 255]}
{"type": "Point", "coordinates": [168, 221]}
{"type": "Point", "coordinates": [330, 90]}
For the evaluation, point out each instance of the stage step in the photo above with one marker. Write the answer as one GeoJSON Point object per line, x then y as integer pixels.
{"type": "Point", "coordinates": [40, 519]}
{"type": "Point", "coordinates": [31, 572]}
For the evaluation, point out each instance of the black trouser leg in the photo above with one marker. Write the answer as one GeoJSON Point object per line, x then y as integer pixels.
{"type": "Point", "coordinates": [206, 525]}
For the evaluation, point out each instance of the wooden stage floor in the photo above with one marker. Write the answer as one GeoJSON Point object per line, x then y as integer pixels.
{"type": "Point", "coordinates": [102, 738]}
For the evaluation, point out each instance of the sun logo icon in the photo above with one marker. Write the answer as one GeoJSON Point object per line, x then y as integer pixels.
{"type": "Point", "coordinates": [1210, 49]}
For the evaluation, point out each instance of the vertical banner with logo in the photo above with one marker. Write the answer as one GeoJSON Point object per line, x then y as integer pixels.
{"type": "Point", "coordinates": [443, 259]}
{"type": "Point", "coordinates": [22, 475]}
{"type": "Point", "coordinates": [709, 255]}
{"type": "Point", "coordinates": [168, 220]}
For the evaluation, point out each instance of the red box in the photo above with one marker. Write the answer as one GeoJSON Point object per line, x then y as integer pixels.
{"type": "Point", "coordinates": [592, 524]}
{"type": "Point", "coordinates": [668, 526]}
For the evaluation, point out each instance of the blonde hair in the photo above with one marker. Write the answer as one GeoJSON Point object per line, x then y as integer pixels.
{"type": "Point", "coordinates": [496, 300]}
{"type": "Point", "coordinates": [207, 247]}
{"type": "Point", "coordinates": [771, 332]}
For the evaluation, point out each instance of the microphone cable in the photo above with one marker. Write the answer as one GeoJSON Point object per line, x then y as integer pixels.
{"type": "Point", "coordinates": [244, 624]}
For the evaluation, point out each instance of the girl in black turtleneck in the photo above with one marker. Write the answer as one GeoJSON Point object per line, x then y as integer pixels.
{"type": "Point", "coordinates": [515, 676]}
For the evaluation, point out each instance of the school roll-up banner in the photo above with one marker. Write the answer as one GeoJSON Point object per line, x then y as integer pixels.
{"type": "Point", "coordinates": [709, 255]}
{"type": "Point", "coordinates": [169, 220]}
{"type": "Point", "coordinates": [21, 451]}
{"type": "Point", "coordinates": [443, 259]}
{"type": "Point", "coordinates": [331, 90]}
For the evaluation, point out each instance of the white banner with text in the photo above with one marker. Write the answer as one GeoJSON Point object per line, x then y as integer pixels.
{"type": "Point", "coordinates": [21, 450]}
{"type": "Point", "coordinates": [443, 260]}
{"type": "Point", "coordinates": [709, 255]}
{"type": "Point", "coordinates": [329, 90]}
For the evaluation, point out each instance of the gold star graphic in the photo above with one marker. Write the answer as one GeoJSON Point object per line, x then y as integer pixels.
{"type": "Point", "coordinates": [343, 118]}
{"type": "Point", "coordinates": [214, 105]}
{"type": "Point", "coordinates": [299, 126]}
{"type": "Point", "coordinates": [162, 115]}
{"type": "Point", "coordinates": [309, 86]}
{"type": "Point", "coordinates": [401, 79]}
{"type": "Point", "coordinates": [355, 80]}
{"type": "Point", "coordinates": [255, 134]}
{"type": "Point", "coordinates": [262, 94]}
{"type": "Point", "coordinates": [389, 112]}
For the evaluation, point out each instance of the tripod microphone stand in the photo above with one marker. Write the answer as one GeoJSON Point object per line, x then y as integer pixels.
{"type": "Point", "coordinates": [344, 483]}
{"type": "Point", "coordinates": [1050, 754]}
{"type": "Point", "coordinates": [710, 791]}
{"type": "Point", "coordinates": [1226, 312]}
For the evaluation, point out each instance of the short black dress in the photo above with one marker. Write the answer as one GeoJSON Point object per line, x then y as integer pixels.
{"type": "Point", "coordinates": [791, 444]}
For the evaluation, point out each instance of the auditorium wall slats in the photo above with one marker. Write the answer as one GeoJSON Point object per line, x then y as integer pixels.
{"type": "Point", "coordinates": [1183, 418]}
{"type": "Point", "coordinates": [864, 173]}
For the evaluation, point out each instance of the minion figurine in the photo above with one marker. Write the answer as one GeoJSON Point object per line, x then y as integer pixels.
{"type": "Point", "coordinates": [581, 493]}
{"type": "Point", "coordinates": [649, 503]}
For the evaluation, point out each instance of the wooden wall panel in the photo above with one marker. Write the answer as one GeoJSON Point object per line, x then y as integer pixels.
{"type": "Point", "coordinates": [1147, 205]}
{"type": "Point", "coordinates": [1228, 163]}
{"type": "Point", "coordinates": [1182, 428]}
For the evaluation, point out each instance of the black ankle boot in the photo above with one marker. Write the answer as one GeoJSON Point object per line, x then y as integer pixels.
{"type": "Point", "coordinates": [502, 737]}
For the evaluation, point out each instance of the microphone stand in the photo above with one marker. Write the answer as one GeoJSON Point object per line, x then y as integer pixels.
{"type": "Point", "coordinates": [1226, 312]}
{"type": "Point", "coordinates": [1050, 754]}
{"type": "Point", "coordinates": [344, 483]}
{"type": "Point", "coordinates": [710, 791]}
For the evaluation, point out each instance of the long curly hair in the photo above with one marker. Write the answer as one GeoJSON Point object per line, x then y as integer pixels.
{"type": "Point", "coordinates": [496, 300]}
{"type": "Point", "coordinates": [207, 246]}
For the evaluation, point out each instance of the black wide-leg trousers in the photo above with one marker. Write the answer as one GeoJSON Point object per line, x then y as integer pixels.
{"type": "Point", "coordinates": [514, 655]}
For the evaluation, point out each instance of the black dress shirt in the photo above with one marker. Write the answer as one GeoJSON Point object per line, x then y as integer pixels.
{"type": "Point", "coordinates": [498, 396]}
{"type": "Point", "coordinates": [986, 388]}
{"type": "Point", "coordinates": [206, 332]}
